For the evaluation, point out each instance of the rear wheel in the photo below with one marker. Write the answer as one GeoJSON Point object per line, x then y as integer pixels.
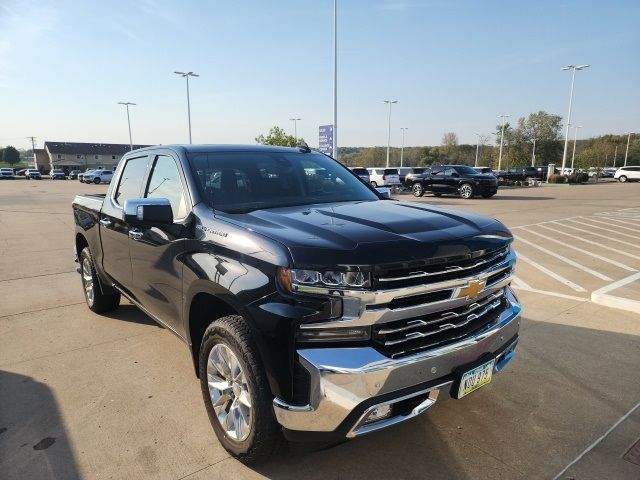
{"type": "Point", "coordinates": [417, 189]}
{"type": "Point", "coordinates": [466, 191]}
{"type": "Point", "coordinates": [97, 300]}
{"type": "Point", "coordinates": [374, 184]}
{"type": "Point", "coordinates": [236, 392]}
{"type": "Point", "coordinates": [622, 178]}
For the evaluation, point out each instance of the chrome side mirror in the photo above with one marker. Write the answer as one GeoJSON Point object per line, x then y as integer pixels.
{"type": "Point", "coordinates": [148, 211]}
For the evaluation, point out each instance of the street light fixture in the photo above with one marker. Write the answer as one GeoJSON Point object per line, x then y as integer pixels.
{"type": "Point", "coordinates": [187, 75]}
{"type": "Point", "coordinates": [295, 127]}
{"type": "Point", "coordinates": [573, 69]}
{"type": "Point", "coordinates": [503, 116]}
{"type": "Point", "coordinates": [389, 102]}
{"type": "Point", "coordinates": [626, 153]}
{"type": "Point", "coordinates": [575, 138]}
{"type": "Point", "coordinates": [126, 104]}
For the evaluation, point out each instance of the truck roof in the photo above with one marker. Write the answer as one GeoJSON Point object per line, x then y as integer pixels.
{"type": "Point", "coordinates": [207, 148]}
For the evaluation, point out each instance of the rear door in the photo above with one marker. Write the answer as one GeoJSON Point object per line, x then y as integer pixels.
{"type": "Point", "coordinates": [156, 252]}
{"type": "Point", "coordinates": [114, 231]}
{"type": "Point", "coordinates": [451, 180]}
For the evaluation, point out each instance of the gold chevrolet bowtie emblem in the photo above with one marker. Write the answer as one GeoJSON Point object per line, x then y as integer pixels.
{"type": "Point", "coordinates": [473, 288]}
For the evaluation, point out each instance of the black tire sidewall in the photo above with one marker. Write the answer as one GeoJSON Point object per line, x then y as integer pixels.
{"type": "Point", "coordinates": [101, 302]}
{"type": "Point", "coordinates": [234, 333]}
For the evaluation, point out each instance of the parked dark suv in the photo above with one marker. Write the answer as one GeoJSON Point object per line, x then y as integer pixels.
{"type": "Point", "coordinates": [455, 179]}
{"type": "Point", "coordinates": [523, 173]}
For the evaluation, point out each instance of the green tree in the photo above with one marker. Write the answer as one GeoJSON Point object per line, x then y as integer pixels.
{"type": "Point", "coordinates": [10, 155]}
{"type": "Point", "coordinates": [277, 136]}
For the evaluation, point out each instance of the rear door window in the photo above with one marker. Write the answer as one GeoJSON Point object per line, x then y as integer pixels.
{"type": "Point", "coordinates": [130, 184]}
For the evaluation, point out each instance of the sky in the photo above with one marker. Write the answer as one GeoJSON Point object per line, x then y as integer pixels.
{"type": "Point", "coordinates": [453, 66]}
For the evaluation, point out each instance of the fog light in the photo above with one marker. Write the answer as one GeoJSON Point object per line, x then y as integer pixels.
{"type": "Point", "coordinates": [378, 413]}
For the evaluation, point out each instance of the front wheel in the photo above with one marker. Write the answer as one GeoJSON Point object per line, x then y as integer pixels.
{"type": "Point", "coordinates": [466, 191]}
{"type": "Point", "coordinates": [97, 300]}
{"type": "Point", "coordinates": [236, 392]}
{"type": "Point", "coordinates": [417, 189]}
{"type": "Point", "coordinates": [622, 178]}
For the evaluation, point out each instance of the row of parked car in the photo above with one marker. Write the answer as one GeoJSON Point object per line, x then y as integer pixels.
{"type": "Point", "coordinates": [97, 176]}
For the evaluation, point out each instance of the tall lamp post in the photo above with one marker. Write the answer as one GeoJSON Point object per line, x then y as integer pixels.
{"type": "Point", "coordinates": [335, 79]}
{"type": "Point", "coordinates": [477, 147]}
{"type": "Point", "coordinates": [533, 152]}
{"type": "Point", "coordinates": [126, 104]}
{"type": "Point", "coordinates": [615, 155]}
{"type": "Point", "coordinates": [389, 102]}
{"type": "Point", "coordinates": [187, 75]}
{"type": "Point", "coordinates": [503, 116]}
{"type": "Point", "coordinates": [573, 69]}
{"type": "Point", "coordinates": [404, 129]}
{"type": "Point", "coordinates": [575, 139]}
{"type": "Point", "coordinates": [626, 153]}
{"type": "Point", "coordinates": [295, 127]}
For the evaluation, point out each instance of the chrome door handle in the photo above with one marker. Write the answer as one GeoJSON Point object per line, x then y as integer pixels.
{"type": "Point", "coordinates": [105, 222]}
{"type": "Point", "coordinates": [135, 234]}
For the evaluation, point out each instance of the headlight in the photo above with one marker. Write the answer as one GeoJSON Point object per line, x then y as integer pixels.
{"type": "Point", "coordinates": [300, 279]}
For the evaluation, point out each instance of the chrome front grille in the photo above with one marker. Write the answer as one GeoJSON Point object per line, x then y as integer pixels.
{"type": "Point", "coordinates": [439, 270]}
{"type": "Point", "coordinates": [402, 337]}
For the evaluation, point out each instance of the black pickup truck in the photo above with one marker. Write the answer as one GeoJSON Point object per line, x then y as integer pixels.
{"type": "Point", "coordinates": [452, 179]}
{"type": "Point", "coordinates": [314, 307]}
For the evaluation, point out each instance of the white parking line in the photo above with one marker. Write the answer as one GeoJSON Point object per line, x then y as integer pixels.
{"type": "Point", "coordinates": [624, 222]}
{"type": "Point", "coordinates": [586, 252]}
{"type": "Point", "coordinates": [602, 297]}
{"type": "Point", "coordinates": [607, 222]}
{"type": "Point", "coordinates": [594, 444]}
{"type": "Point", "coordinates": [596, 244]}
{"type": "Point", "coordinates": [552, 294]}
{"type": "Point", "coordinates": [554, 275]}
{"type": "Point", "coordinates": [635, 245]}
{"type": "Point", "coordinates": [565, 259]}
{"type": "Point", "coordinates": [605, 229]}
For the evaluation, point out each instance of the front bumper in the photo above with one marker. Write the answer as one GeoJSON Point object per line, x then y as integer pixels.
{"type": "Point", "coordinates": [346, 384]}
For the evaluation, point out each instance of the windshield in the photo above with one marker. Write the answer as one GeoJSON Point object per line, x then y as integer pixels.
{"type": "Point", "coordinates": [463, 170]}
{"type": "Point", "coordinates": [236, 182]}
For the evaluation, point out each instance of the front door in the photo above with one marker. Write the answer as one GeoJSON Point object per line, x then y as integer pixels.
{"type": "Point", "coordinates": [156, 251]}
{"type": "Point", "coordinates": [114, 232]}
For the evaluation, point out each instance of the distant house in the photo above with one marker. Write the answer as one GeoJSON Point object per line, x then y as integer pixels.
{"type": "Point", "coordinates": [69, 156]}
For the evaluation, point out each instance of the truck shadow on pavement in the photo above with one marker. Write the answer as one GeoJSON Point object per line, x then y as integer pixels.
{"type": "Point", "coordinates": [33, 440]}
{"type": "Point", "coordinates": [130, 313]}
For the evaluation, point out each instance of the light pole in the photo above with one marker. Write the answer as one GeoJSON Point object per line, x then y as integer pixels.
{"type": "Point", "coordinates": [335, 79]}
{"type": "Point", "coordinates": [626, 153]}
{"type": "Point", "coordinates": [404, 129]}
{"type": "Point", "coordinates": [477, 147]}
{"type": "Point", "coordinates": [575, 138]}
{"type": "Point", "coordinates": [295, 127]}
{"type": "Point", "coordinates": [533, 153]}
{"type": "Point", "coordinates": [187, 75]}
{"type": "Point", "coordinates": [615, 155]}
{"type": "Point", "coordinates": [126, 104]}
{"type": "Point", "coordinates": [503, 116]}
{"type": "Point", "coordinates": [573, 69]}
{"type": "Point", "coordinates": [389, 102]}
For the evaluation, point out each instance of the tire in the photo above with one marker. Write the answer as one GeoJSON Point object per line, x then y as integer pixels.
{"type": "Point", "coordinates": [96, 180]}
{"type": "Point", "coordinates": [230, 340]}
{"type": "Point", "coordinates": [529, 179]}
{"type": "Point", "coordinates": [466, 191]}
{"type": "Point", "coordinates": [97, 300]}
{"type": "Point", "coordinates": [500, 179]}
{"type": "Point", "coordinates": [374, 184]}
{"type": "Point", "coordinates": [622, 178]}
{"type": "Point", "coordinates": [417, 189]}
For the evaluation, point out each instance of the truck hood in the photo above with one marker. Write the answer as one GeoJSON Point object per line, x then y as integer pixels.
{"type": "Point", "coordinates": [372, 233]}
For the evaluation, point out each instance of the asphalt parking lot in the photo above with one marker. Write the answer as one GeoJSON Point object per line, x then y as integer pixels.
{"type": "Point", "coordinates": [88, 396]}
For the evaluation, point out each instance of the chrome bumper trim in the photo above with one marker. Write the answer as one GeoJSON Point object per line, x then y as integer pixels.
{"type": "Point", "coordinates": [343, 378]}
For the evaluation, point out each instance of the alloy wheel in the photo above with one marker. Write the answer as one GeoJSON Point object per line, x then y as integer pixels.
{"type": "Point", "coordinates": [87, 280]}
{"type": "Point", "coordinates": [466, 191]}
{"type": "Point", "coordinates": [229, 392]}
{"type": "Point", "coordinates": [417, 189]}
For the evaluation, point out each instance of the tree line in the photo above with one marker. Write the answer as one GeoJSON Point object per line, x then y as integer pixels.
{"type": "Point", "coordinates": [517, 150]}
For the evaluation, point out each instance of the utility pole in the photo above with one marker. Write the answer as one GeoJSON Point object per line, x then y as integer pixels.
{"type": "Point", "coordinates": [389, 102]}
{"type": "Point", "coordinates": [295, 127]}
{"type": "Point", "coordinates": [187, 75]}
{"type": "Point", "coordinates": [573, 69]}
{"type": "Point", "coordinates": [533, 153]}
{"type": "Point", "coordinates": [126, 104]}
{"type": "Point", "coordinates": [615, 155]}
{"type": "Point", "coordinates": [33, 151]}
{"type": "Point", "coordinates": [626, 153]}
{"type": "Point", "coordinates": [575, 138]}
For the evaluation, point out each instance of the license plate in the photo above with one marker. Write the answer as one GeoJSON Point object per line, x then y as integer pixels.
{"type": "Point", "coordinates": [476, 378]}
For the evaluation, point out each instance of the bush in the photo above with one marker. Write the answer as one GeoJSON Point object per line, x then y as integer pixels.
{"type": "Point", "coordinates": [556, 178]}
{"type": "Point", "coordinates": [578, 177]}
